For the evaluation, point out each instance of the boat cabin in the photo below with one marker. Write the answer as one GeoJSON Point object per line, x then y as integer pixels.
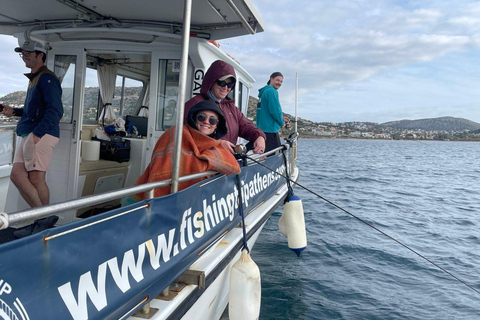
{"type": "Point", "coordinates": [127, 62]}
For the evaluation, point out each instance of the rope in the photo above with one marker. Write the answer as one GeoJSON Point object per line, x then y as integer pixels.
{"type": "Point", "coordinates": [372, 226]}
{"type": "Point", "coordinates": [240, 207]}
{"type": "Point", "coordinates": [4, 220]}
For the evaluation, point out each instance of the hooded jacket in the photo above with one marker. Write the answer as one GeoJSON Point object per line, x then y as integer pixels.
{"type": "Point", "coordinates": [236, 122]}
{"type": "Point", "coordinates": [269, 115]}
{"type": "Point", "coordinates": [199, 153]}
{"type": "Point", "coordinates": [221, 130]}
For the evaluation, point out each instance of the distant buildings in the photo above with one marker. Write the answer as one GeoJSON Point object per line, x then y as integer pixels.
{"type": "Point", "coordinates": [371, 130]}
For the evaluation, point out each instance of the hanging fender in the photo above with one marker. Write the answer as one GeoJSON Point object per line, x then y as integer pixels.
{"type": "Point", "coordinates": [281, 225]}
{"type": "Point", "coordinates": [245, 289]}
{"type": "Point", "coordinates": [294, 222]}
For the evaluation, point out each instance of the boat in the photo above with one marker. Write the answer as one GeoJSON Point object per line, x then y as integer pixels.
{"type": "Point", "coordinates": [161, 258]}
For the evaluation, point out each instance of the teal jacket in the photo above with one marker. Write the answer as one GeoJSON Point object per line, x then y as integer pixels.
{"type": "Point", "coordinates": [269, 114]}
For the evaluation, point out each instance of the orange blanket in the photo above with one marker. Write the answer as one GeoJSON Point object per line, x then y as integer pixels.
{"type": "Point", "coordinates": [199, 154]}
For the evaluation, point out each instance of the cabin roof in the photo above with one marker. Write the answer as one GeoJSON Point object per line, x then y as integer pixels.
{"type": "Point", "coordinates": [211, 19]}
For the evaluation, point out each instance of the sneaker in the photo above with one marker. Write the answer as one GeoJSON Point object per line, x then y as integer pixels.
{"type": "Point", "coordinates": [38, 226]}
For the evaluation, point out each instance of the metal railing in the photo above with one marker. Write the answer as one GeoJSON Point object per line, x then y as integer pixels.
{"type": "Point", "coordinates": [44, 211]}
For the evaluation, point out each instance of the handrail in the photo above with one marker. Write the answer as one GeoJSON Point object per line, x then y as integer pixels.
{"type": "Point", "coordinates": [44, 211]}
{"type": "Point", "coordinates": [4, 126]}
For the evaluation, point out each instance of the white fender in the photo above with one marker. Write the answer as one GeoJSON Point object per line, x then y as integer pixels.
{"type": "Point", "coordinates": [245, 289]}
{"type": "Point", "coordinates": [281, 225]}
{"type": "Point", "coordinates": [295, 224]}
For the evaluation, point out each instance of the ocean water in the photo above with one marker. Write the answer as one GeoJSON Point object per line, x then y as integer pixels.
{"type": "Point", "coordinates": [424, 194]}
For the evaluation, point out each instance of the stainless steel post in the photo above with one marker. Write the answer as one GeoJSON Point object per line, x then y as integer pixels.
{"type": "Point", "coordinates": [294, 146]}
{"type": "Point", "coordinates": [181, 95]}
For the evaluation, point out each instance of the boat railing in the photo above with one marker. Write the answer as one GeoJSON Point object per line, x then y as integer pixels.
{"type": "Point", "coordinates": [56, 208]}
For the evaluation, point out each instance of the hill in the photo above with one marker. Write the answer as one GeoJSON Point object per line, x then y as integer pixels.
{"type": "Point", "coordinates": [449, 124]}
{"type": "Point", "coordinates": [442, 124]}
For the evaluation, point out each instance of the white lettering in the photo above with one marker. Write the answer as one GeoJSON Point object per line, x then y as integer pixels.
{"type": "Point", "coordinates": [128, 266]}
{"type": "Point", "coordinates": [164, 248]}
{"type": "Point", "coordinates": [5, 287]}
{"type": "Point", "coordinates": [208, 212]}
{"type": "Point", "coordinates": [198, 223]}
{"type": "Point", "coordinates": [86, 287]}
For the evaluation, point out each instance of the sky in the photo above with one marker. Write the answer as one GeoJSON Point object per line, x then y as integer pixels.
{"type": "Point", "coordinates": [357, 60]}
{"type": "Point", "coordinates": [368, 60]}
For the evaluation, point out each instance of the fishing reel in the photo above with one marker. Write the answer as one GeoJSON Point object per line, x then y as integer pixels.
{"type": "Point", "coordinates": [240, 151]}
{"type": "Point", "coordinates": [292, 138]}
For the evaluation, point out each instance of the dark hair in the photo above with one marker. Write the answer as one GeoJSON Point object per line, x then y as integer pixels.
{"type": "Point", "coordinates": [276, 74]}
{"type": "Point", "coordinates": [44, 58]}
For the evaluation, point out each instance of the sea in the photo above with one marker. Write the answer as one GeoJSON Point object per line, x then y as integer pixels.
{"type": "Point", "coordinates": [424, 195]}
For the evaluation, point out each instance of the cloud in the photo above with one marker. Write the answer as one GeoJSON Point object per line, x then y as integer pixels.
{"type": "Point", "coordinates": [11, 68]}
{"type": "Point", "coordinates": [336, 44]}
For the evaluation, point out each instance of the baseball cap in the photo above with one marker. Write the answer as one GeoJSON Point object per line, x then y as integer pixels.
{"type": "Point", "coordinates": [31, 46]}
{"type": "Point", "coordinates": [228, 76]}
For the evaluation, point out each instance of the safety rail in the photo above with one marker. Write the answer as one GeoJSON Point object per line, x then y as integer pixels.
{"type": "Point", "coordinates": [44, 211]}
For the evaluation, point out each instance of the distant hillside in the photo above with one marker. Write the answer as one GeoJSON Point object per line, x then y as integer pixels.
{"type": "Point", "coordinates": [434, 124]}
{"type": "Point", "coordinates": [90, 99]}
{"type": "Point", "coordinates": [448, 124]}
{"type": "Point", "coordinates": [14, 98]}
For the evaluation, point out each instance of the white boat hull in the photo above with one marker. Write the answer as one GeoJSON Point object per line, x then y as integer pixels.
{"type": "Point", "coordinates": [210, 303]}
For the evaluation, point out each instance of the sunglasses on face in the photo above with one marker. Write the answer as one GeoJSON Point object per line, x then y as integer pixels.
{"type": "Point", "coordinates": [201, 117]}
{"type": "Point", "coordinates": [224, 83]}
{"type": "Point", "coordinates": [25, 54]}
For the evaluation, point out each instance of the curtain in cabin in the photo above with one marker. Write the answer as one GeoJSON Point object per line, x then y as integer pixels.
{"type": "Point", "coordinates": [62, 63]}
{"type": "Point", "coordinates": [143, 111]}
{"type": "Point", "coordinates": [107, 75]}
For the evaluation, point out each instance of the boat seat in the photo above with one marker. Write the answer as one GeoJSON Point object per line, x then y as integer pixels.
{"type": "Point", "coordinates": [100, 176]}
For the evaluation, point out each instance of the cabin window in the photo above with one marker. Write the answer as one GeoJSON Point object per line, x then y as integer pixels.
{"type": "Point", "coordinates": [7, 138]}
{"type": "Point", "coordinates": [92, 99]}
{"type": "Point", "coordinates": [169, 75]}
{"type": "Point", "coordinates": [242, 96]}
{"type": "Point", "coordinates": [231, 94]}
{"type": "Point", "coordinates": [65, 71]}
{"type": "Point", "coordinates": [125, 101]}
{"type": "Point", "coordinates": [127, 93]}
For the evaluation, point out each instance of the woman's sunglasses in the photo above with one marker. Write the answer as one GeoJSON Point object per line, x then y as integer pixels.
{"type": "Point", "coordinates": [224, 83]}
{"type": "Point", "coordinates": [201, 117]}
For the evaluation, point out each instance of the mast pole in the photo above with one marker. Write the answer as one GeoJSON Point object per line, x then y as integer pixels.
{"type": "Point", "coordinates": [181, 96]}
{"type": "Point", "coordinates": [294, 147]}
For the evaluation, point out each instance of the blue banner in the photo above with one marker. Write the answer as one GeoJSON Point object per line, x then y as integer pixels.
{"type": "Point", "coordinates": [102, 267]}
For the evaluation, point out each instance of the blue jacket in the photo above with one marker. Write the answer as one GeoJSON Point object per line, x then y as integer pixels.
{"type": "Point", "coordinates": [269, 115]}
{"type": "Point", "coordinates": [43, 107]}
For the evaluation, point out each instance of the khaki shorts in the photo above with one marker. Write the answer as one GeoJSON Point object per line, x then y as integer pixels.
{"type": "Point", "coordinates": [35, 156]}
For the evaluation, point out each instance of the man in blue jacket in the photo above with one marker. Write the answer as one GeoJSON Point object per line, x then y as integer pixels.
{"type": "Point", "coordinates": [269, 112]}
{"type": "Point", "coordinates": [38, 126]}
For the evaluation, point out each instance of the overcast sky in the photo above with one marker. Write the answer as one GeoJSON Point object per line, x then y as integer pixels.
{"type": "Point", "coordinates": [372, 60]}
{"type": "Point", "coordinates": [357, 60]}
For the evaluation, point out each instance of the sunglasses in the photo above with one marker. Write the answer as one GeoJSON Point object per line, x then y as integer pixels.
{"type": "Point", "coordinates": [201, 117]}
{"type": "Point", "coordinates": [224, 83]}
{"type": "Point", "coordinates": [25, 53]}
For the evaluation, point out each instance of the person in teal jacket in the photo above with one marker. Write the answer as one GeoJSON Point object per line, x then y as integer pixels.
{"type": "Point", "coordinates": [269, 112]}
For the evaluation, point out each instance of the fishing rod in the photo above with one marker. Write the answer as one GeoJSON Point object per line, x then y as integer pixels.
{"type": "Point", "coordinates": [365, 222]}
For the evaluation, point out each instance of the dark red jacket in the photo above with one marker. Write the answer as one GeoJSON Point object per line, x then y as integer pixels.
{"type": "Point", "coordinates": [237, 124]}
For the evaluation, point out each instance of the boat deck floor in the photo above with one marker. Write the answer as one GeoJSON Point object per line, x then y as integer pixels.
{"type": "Point", "coordinates": [7, 235]}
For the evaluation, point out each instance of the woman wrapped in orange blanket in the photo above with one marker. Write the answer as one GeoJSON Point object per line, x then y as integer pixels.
{"type": "Point", "coordinates": [201, 150]}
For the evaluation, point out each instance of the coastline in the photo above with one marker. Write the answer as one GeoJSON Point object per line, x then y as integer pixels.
{"type": "Point", "coordinates": [301, 136]}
